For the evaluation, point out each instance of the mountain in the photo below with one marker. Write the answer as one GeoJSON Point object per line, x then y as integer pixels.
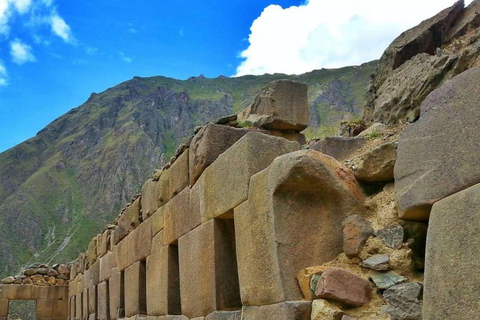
{"type": "Point", "coordinates": [59, 188]}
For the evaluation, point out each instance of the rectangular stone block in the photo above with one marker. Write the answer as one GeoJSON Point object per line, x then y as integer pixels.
{"type": "Point", "coordinates": [179, 174]}
{"type": "Point", "coordinates": [115, 293]}
{"type": "Point", "coordinates": [157, 220]}
{"type": "Point", "coordinates": [85, 304]}
{"type": "Point", "coordinates": [163, 282]}
{"type": "Point", "coordinates": [163, 188]}
{"type": "Point", "coordinates": [72, 308]}
{"type": "Point", "coordinates": [103, 244]}
{"type": "Point", "coordinates": [92, 251]}
{"type": "Point", "coordinates": [129, 220]}
{"type": "Point", "coordinates": [102, 302]}
{"type": "Point", "coordinates": [227, 179]}
{"type": "Point", "coordinates": [135, 289]}
{"type": "Point", "coordinates": [205, 147]}
{"type": "Point", "coordinates": [92, 275]}
{"type": "Point", "coordinates": [79, 307]}
{"type": "Point", "coordinates": [3, 307]}
{"type": "Point", "coordinates": [208, 271]}
{"type": "Point", "coordinates": [179, 217]}
{"type": "Point", "coordinates": [53, 293]}
{"type": "Point", "coordinates": [44, 308]}
{"type": "Point", "coordinates": [16, 291]}
{"type": "Point", "coordinates": [135, 247]}
{"type": "Point", "coordinates": [149, 198]}
{"type": "Point", "coordinates": [107, 263]}
{"type": "Point", "coordinates": [298, 310]}
{"type": "Point", "coordinates": [92, 300]}
{"type": "Point", "coordinates": [225, 315]}
{"type": "Point", "coordinates": [60, 308]}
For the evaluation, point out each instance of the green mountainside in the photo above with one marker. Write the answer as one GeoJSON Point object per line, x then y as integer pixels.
{"type": "Point", "coordinates": [61, 187]}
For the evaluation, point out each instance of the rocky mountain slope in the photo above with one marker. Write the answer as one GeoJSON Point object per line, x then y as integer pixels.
{"type": "Point", "coordinates": [61, 187]}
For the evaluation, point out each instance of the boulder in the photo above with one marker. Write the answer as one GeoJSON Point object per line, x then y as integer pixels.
{"type": "Point", "coordinates": [342, 286]}
{"type": "Point", "coordinates": [281, 105]}
{"type": "Point", "coordinates": [376, 165]}
{"type": "Point", "coordinates": [356, 231]}
{"type": "Point", "coordinates": [438, 155]}
{"type": "Point", "coordinates": [452, 280]}
{"type": "Point", "coordinates": [210, 142]}
{"type": "Point", "coordinates": [403, 301]}
{"type": "Point", "coordinates": [149, 199]}
{"type": "Point", "coordinates": [469, 19]}
{"type": "Point", "coordinates": [302, 199]}
{"type": "Point", "coordinates": [338, 147]}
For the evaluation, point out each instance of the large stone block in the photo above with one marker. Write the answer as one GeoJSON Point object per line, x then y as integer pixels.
{"type": "Point", "coordinates": [72, 308]}
{"type": "Point", "coordinates": [129, 220]}
{"type": "Point", "coordinates": [149, 198]}
{"type": "Point", "coordinates": [115, 293]}
{"type": "Point", "coordinates": [281, 105]}
{"type": "Point", "coordinates": [208, 270]}
{"type": "Point", "coordinates": [290, 310]}
{"type": "Point", "coordinates": [157, 220]}
{"type": "Point", "coordinates": [205, 147]}
{"type": "Point", "coordinates": [60, 308]}
{"type": "Point", "coordinates": [107, 263]}
{"type": "Point", "coordinates": [225, 315]}
{"type": "Point", "coordinates": [452, 280]}
{"type": "Point", "coordinates": [85, 304]}
{"type": "Point", "coordinates": [92, 275]}
{"type": "Point", "coordinates": [163, 188]}
{"type": "Point", "coordinates": [338, 147]}
{"type": "Point", "coordinates": [179, 217]}
{"type": "Point", "coordinates": [163, 282]}
{"type": "Point", "coordinates": [92, 300]}
{"type": "Point", "coordinates": [438, 155]}
{"type": "Point", "coordinates": [92, 251]}
{"type": "Point", "coordinates": [179, 174]}
{"type": "Point", "coordinates": [292, 220]}
{"type": "Point", "coordinates": [227, 179]}
{"type": "Point", "coordinates": [135, 247]}
{"type": "Point", "coordinates": [3, 307]}
{"type": "Point", "coordinates": [44, 308]}
{"type": "Point", "coordinates": [79, 307]}
{"type": "Point", "coordinates": [103, 244]}
{"type": "Point", "coordinates": [135, 289]}
{"type": "Point", "coordinates": [102, 301]}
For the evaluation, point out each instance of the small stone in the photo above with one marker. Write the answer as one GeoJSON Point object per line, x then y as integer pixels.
{"type": "Point", "coordinates": [55, 266]}
{"type": "Point", "coordinates": [403, 301]}
{"type": "Point", "coordinates": [52, 281]}
{"type": "Point", "coordinates": [42, 271]}
{"type": "Point", "coordinates": [324, 310]}
{"type": "Point", "coordinates": [61, 282]}
{"type": "Point", "coordinates": [8, 280]}
{"type": "Point", "coordinates": [378, 262]}
{"type": "Point", "coordinates": [392, 236]}
{"type": "Point", "coordinates": [62, 276]}
{"type": "Point", "coordinates": [356, 231]}
{"type": "Point", "coordinates": [52, 273]}
{"type": "Point", "coordinates": [384, 280]}
{"type": "Point", "coordinates": [30, 272]}
{"type": "Point", "coordinates": [37, 279]}
{"type": "Point", "coordinates": [17, 281]}
{"type": "Point", "coordinates": [340, 285]}
{"type": "Point", "coordinates": [64, 269]}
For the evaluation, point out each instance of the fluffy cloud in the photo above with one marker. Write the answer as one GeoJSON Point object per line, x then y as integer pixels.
{"type": "Point", "coordinates": [329, 34]}
{"type": "Point", "coordinates": [3, 75]}
{"type": "Point", "coordinates": [61, 28]}
{"type": "Point", "coordinates": [21, 52]}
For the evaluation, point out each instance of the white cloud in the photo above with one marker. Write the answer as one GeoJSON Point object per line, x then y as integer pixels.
{"type": "Point", "coordinates": [125, 58]}
{"type": "Point", "coordinates": [3, 75]}
{"type": "Point", "coordinates": [22, 6]}
{"type": "Point", "coordinates": [329, 34]}
{"type": "Point", "coordinates": [21, 52]}
{"type": "Point", "coordinates": [61, 28]}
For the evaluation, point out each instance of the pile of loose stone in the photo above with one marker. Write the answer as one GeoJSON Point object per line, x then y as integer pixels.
{"type": "Point", "coordinates": [43, 275]}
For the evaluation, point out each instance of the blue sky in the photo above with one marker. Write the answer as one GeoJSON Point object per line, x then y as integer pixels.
{"type": "Point", "coordinates": [54, 53]}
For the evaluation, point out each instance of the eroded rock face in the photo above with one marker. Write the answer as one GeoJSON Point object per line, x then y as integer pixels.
{"type": "Point", "coordinates": [438, 155]}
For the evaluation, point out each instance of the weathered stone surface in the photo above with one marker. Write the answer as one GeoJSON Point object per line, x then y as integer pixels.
{"type": "Point", "coordinates": [375, 129]}
{"type": "Point", "coordinates": [91, 255]}
{"type": "Point", "coordinates": [225, 315]}
{"type": "Point", "coordinates": [92, 275]}
{"type": "Point", "coordinates": [149, 199]}
{"type": "Point", "coordinates": [163, 282]}
{"type": "Point", "coordinates": [227, 179]}
{"type": "Point", "coordinates": [469, 19]}
{"type": "Point", "coordinates": [324, 310]}
{"type": "Point", "coordinates": [135, 289]}
{"type": "Point", "coordinates": [304, 278]}
{"type": "Point", "coordinates": [376, 165]}
{"type": "Point", "coordinates": [338, 147]}
{"type": "Point", "coordinates": [437, 156]}
{"type": "Point", "coordinates": [340, 285]}
{"type": "Point", "coordinates": [356, 231]}
{"type": "Point", "coordinates": [211, 141]}
{"type": "Point", "coordinates": [392, 236]}
{"type": "Point", "coordinates": [3, 307]}
{"type": "Point", "coordinates": [79, 307]}
{"type": "Point", "coordinates": [163, 188]}
{"type": "Point", "coordinates": [115, 292]}
{"type": "Point", "coordinates": [452, 280]}
{"type": "Point", "coordinates": [179, 174]}
{"type": "Point", "coordinates": [179, 217]}
{"type": "Point", "coordinates": [107, 263]}
{"type": "Point", "coordinates": [158, 221]}
{"type": "Point", "coordinates": [135, 247]}
{"type": "Point", "coordinates": [384, 280]}
{"type": "Point", "coordinates": [208, 269]}
{"type": "Point", "coordinates": [403, 303]}
{"type": "Point", "coordinates": [8, 280]}
{"type": "Point", "coordinates": [281, 105]}
{"type": "Point", "coordinates": [129, 220]}
{"type": "Point", "coordinates": [302, 199]}
{"type": "Point", "coordinates": [103, 312]}
{"type": "Point", "coordinates": [378, 262]}
{"type": "Point", "coordinates": [290, 310]}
